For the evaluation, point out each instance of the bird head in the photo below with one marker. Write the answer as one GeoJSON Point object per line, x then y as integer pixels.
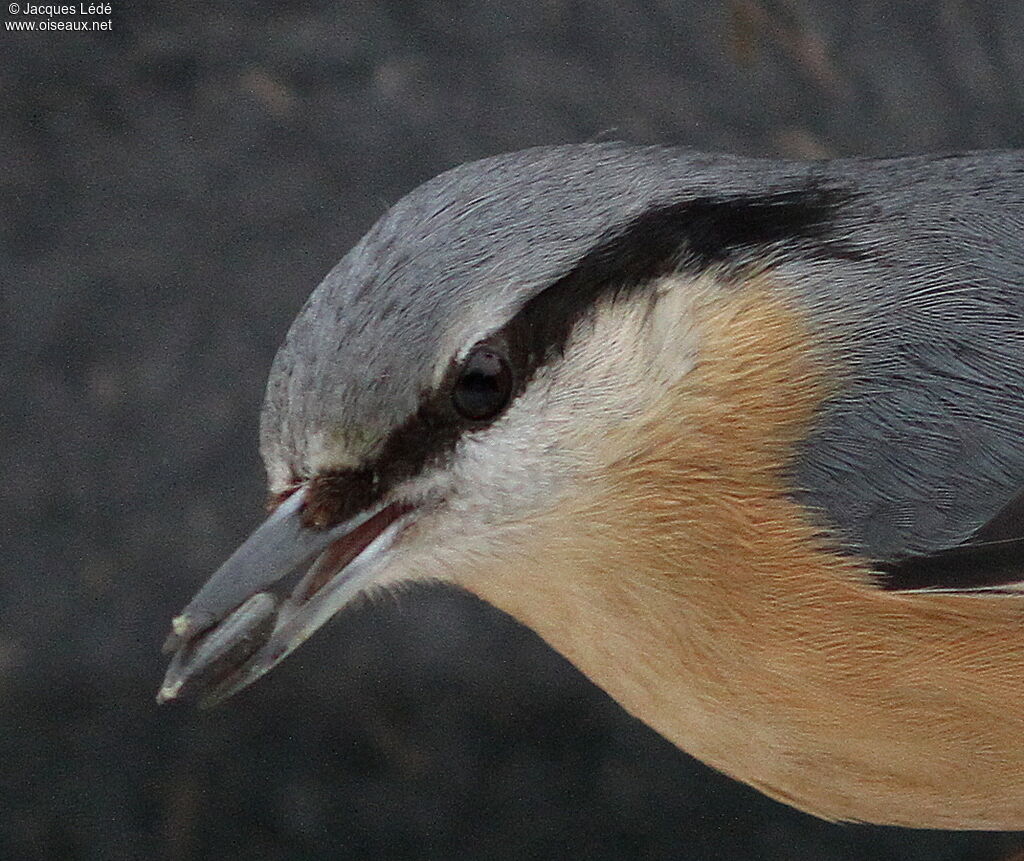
{"type": "Point", "coordinates": [458, 399]}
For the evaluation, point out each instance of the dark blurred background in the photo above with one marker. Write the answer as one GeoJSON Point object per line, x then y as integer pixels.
{"type": "Point", "coordinates": [171, 192]}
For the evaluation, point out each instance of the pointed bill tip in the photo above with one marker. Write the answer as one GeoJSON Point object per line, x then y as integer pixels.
{"type": "Point", "coordinates": [183, 629]}
{"type": "Point", "coordinates": [181, 626]}
{"type": "Point", "coordinates": [221, 650]}
{"type": "Point", "coordinates": [169, 690]}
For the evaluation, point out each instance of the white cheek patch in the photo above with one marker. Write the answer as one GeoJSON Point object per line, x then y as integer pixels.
{"type": "Point", "coordinates": [502, 481]}
{"type": "Point", "coordinates": [673, 336]}
{"type": "Point", "coordinates": [629, 353]}
{"type": "Point", "coordinates": [621, 359]}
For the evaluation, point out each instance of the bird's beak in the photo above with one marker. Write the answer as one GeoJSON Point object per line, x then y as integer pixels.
{"type": "Point", "coordinates": [239, 625]}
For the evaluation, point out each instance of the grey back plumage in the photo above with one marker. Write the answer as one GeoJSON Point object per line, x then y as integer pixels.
{"type": "Point", "coordinates": [923, 443]}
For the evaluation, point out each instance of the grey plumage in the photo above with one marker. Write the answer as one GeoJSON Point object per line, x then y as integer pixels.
{"type": "Point", "coordinates": [922, 444]}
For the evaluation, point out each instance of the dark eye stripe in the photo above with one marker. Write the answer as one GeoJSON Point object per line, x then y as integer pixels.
{"type": "Point", "coordinates": [681, 237]}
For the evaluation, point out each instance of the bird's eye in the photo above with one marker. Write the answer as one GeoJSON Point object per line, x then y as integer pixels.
{"type": "Point", "coordinates": [484, 385]}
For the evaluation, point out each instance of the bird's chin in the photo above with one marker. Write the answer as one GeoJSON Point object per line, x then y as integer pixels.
{"type": "Point", "coordinates": [252, 613]}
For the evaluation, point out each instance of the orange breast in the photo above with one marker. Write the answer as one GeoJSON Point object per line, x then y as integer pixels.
{"type": "Point", "coordinates": [687, 583]}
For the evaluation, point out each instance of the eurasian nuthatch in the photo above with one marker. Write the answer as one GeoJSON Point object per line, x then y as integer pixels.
{"type": "Point", "coordinates": [743, 439]}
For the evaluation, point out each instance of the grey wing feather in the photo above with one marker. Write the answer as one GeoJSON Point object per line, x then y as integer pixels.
{"type": "Point", "coordinates": [990, 561]}
{"type": "Point", "coordinates": [918, 461]}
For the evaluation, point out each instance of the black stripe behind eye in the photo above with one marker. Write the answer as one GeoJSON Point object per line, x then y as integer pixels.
{"type": "Point", "coordinates": [688, 236]}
